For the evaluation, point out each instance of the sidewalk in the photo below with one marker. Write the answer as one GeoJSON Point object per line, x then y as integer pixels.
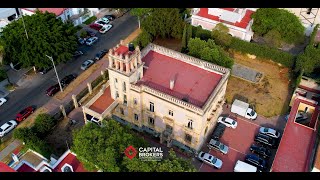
{"type": "Point", "coordinates": [11, 147]}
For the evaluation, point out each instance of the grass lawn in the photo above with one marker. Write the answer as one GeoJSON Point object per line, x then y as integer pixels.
{"type": "Point", "coordinates": [90, 20]}
{"type": "Point", "coordinates": [271, 96]}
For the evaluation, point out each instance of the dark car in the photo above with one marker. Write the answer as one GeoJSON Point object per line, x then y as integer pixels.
{"type": "Point", "coordinates": [100, 54]}
{"type": "Point", "coordinates": [44, 70]}
{"type": "Point", "coordinates": [261, 151]}
{"type": "Point", "coordinates": [22, 115]}
{"type": "Point", "coordinates": [90, 33]}
{"type": "Point", "coordinates": [218, 131]}
{"type": "Point", "coordinates": [77, 54]}
{"type": "Point", "coordinates": [95, 26]}
{"type": "Point", "coordinates": [81, 41]}
{"type": "Point", "coordinates": [256, 161]}
{"type": "Point", "coordinates": [110, 17]}
{"type": "Point", "coordinates": [53, 90]}
{"type": "Point", "coordinates": [266, 140]}
{"type": "Point", "coordinates": [68, 79]}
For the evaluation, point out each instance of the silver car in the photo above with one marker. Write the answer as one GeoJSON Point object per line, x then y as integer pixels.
{"type": "Point", "coordinates": [217, 145]}
{"type": "Point", "coordinates": [86, 64]}
{"type": "Point", "coordinates": [91, 40]}
{"type": "Point", "coordinates": [269, 132]}
{"type": "Point", "coordinates": [210, 160]}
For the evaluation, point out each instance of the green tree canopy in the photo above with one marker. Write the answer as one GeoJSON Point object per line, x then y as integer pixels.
{"type": "Point", "coordinates": [221, 35]}
{"type": "Point", "coordinates": [281, 20]}
{"type": "Point", "coordinates": [47, 35]}
{"type": "Point", "coordinates": [44, 123]}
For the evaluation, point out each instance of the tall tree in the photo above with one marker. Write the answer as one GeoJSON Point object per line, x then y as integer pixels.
{"type": "Point", "coordinates": [286, 23]}
{"type": "Point", "coordinates": [47, 35]}
{"type": "Point", "coordinates": [140, 13]}
{"type": "Point", "coordinates": [184, 38]}
{"type": "Point", "coordinates": [189, 33]}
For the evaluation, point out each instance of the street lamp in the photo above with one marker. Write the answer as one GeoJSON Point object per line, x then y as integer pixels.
{"type": "Point", "coordinates": [56, 72]}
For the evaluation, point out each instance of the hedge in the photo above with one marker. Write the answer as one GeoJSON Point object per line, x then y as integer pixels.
{"type": "Point", "coordinates": [263, 51]}
{"type": "Point", "coordinates": [313, 34]}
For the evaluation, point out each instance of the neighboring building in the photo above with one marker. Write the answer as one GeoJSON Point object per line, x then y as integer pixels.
{"type": "Point", "coordinates": [172, 96]}
{"type": "Point", "coordinates": [5, 168]}
{"type": "Point", "coordinates": [32, 161]}
{"type": "Point", "coordinates": [7, 15]}
{"type": "Point", "coordinates": [307, 88]}
{"type": "Point", "coordinates": [75, 15]}
{"type": "Point", "coordinates": [238, 20]}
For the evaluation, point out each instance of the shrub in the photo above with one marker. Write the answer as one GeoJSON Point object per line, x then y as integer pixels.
{"type": "Point", "coordinates": [44, 123]}
{"type": "Point", "coordinates": [143, 39]}
{"type": "Point", "coordinates": [90, 20]}
{"type": "Point", "coordinates": [23, 134]}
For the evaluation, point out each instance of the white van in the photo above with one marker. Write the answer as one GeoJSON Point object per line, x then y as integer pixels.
{"type": "Point", "coordinates": [244, 167]}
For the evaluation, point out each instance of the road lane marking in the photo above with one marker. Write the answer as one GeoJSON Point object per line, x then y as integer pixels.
{"type": "Point", "coordinates": [237, 151]}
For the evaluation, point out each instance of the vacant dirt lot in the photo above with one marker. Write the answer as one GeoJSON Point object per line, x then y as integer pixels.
{"type": "Point", "coordinates": [271, 96]}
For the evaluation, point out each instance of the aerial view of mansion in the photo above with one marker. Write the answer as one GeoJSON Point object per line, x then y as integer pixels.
{"type": "Point", "coordinates": [172, 96]}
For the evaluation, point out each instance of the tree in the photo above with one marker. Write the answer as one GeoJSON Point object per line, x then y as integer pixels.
{"type": "Point", "coordinates": [43, 124]}
{"type": "Point", "coordinates": [83, 34]}
{"type": "Point", "coordinates": [273, 38]}
{"type": "Point", "coordinates": [184, 39]}
{"type": "Point", "coordinates": [189, 33]}
{"type": "Point", "coordinates": [281, 20]}
{"type": "Point", "coordinates": [47, 35]}
{"type": "Point", "coordinates": [221, 35]}
{"type": "Point", "coordinates": [144, 39]}
{"type": "Point", "coordinates": [195, 47]}
{"type": "Point", "coordinates": [140, 13]}
{"type": "Point", "coordinates": [309, 60]}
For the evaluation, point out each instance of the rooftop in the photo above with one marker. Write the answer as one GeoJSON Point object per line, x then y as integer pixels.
{"type": "Point", "coordinates": [73, 161]}
{"type": "Point", "coordinates": [56, 11]}
{"type": "Point", "coordinates": [190, 82]}
{"type": "Point", "coordinates": [241, 24]}
{"type": "Point", "coordinates": [123, 50]}
{"type": "Point", "coordinates": [103, 102]}
{"type": "Point", "coordinates": [294, 151]}
{"type": "Point", "coordinates": [5, 168]}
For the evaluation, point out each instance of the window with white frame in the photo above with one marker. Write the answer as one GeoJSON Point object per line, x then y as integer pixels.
{"type": "Point", "coordinates": [170, 112]}
{"type": "Point", "coordinates": [67, 168]}
{"type": "Point", "coordinates": [117, 94]}
{"type": "Point", "coordinates": [116, 83]}
{"type": "Point", "coordinates": [190, 124]}
{"type": "Point", "coordinates": [125, 99]}
{"type": "Point", "coordinates": [124, 87]}
{"type": "Point", "coordinates": [136, 117]}
{"type": "Point", "coordinates": [151, 120]}
{"type": "Point", "coordinates": [151, 107]}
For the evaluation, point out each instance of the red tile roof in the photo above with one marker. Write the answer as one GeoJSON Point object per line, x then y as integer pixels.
{"type": "Point", "coordinates": [25, 168]}
{"type": "Point", "coordinates": [5, 168]}
{"type": "Point", "coordinates": [190, 81]}
{"type": "Point", "coordinates": [73, 161]}
{"type": "Point", "coordinates": [242, 24]}
{"type": "Point", "coordinates": [103, 102]}
{"type": "Point", "coordinates": [296, 144]}
{"type": "Point", "coordinates": [56, 11]}
{"type": "Point", "coordinates": [123, 50]}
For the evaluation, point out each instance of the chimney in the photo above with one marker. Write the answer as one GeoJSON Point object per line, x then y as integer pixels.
{"type": "Point", "coordinates": [131, 47]}
{"type": "Point", "coordinates": [171, 84]}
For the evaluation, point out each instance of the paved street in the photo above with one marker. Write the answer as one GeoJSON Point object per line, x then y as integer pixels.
{"type": "Point", "coordinates": [32, 92]}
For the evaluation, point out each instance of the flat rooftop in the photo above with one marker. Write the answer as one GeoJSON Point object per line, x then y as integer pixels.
{"type": "Point", "coordinates": [191, 82]}
{"type": "Point", "coordinates": [294, 151]}
{"type": "Point", "coordinates": [242, 24]}
{"type": "Point", "coordinates": [103, 102]}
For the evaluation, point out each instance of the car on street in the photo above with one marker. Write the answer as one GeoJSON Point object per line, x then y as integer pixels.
{"type": "Point", "coordinates": [44, 70]}
{"type": "Point", "coordinates": [100, 54]}
{"type": "Point", "coordinates": [266, 140]}
{"type": "Point", "coordinates": [68, 79]}
{"type": "Point", "coordinates": [218, 131]}
{"type": "Point", "coordinates": [7, 127]}
{"type": "Point", "coordinates": [105, 28]}
{"type": "Point", "coordinates": [91, 33]}
{"type": "Point", "coordinates": [26, 112]}
{"type": "Point", "coordinates": [2, 101]}
{"type": "Point", "coordinates": [256, 161]}
{"type": "Point", "coordinates": [101, 23]}
{"type": "Point", "coordinates": [110, 17]}
{"type": "Point", "coordinates": [51, 91]}
{"type": "Point", "coordinates": [261, 151]}
{"type": "Point", "coordinates": [77, 53]}
{"type": "Point", "coordinates": [269, 132]}
{"type": "Point", "coordinates": [105, 20]}
{"type": "Point", "coordinates": [218, 146]}
{"type": "Point", "coordinates": [210, 160]}
{"type": "Point", "coordinates": [228, 122]}
{"type": "Point", "coordinates": [86, 64]}
{"type": "Point", "coordinates": [91, 41]}
{"type": "Point", "coordinates": [81, 41]}
{"type": "Point", "coordinates": [95, 26]}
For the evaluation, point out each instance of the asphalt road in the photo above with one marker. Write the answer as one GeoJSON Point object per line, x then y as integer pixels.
{"type": "Point", "coordinates": [33, 92]}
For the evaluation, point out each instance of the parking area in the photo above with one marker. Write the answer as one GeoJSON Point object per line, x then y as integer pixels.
{"type": "Point", "coordinates": [239, 141]}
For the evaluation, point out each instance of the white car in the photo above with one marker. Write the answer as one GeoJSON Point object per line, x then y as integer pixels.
{"type": "Point", "coordinates": [2, 101]}
{"type": "Point", "coordinates": [210, 160]}
{"type": "Point", "coordinates": [7, 127]}
{"type": "Point", "coordinates": [269, 132]}
{"type": "Point", "coordinates": [86, 64]}
{"type": "Point", "coordinates": [105, 28]}
{"type": "Point", "coordinates": [91, 40]}
{"type": "Point", "coordinates": [101, 22]}
{"type": "Point", "coordinates": [106, 20]}
{"type": "Point", "coordinates": [228, 122]}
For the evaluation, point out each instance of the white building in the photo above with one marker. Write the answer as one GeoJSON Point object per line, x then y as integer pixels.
{"type": "Point", "coordinates": [238, 20]}
{"type": "Point", "coordinates": [7, 15]}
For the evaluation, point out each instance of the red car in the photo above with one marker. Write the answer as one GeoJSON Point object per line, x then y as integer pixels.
{"type": "Point", "coordinates": [53, 90]}
{"type": "Point", "coordinates": [95, 26]}
{"type": "Point", "coordinates": [22, 115]}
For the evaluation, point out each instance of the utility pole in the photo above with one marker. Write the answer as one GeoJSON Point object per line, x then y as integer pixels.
{"type": "Point", "coordinates": [25, 30]}
{"type": "Point", "coordinates": [56, 72]}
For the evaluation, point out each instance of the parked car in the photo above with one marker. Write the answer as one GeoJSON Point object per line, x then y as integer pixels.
{"type": "Point", "coordinates": [51, 91]}
{"type": "Point", "coordinates": [218, 131]}
{"type": "Point", "coordinates": [217, 145]}
{"type": "Point", "coordinates": [105, 28]}
{"type": "Point", "coordinates": [91, 40]}
{"type": "Point", "coordinates": [91, 33]}
{"type": "Point", "coordinates": [22, 115]}
{"type": "Point", "coordinates": [68, 79]}
{"type": "Point", "coordinates": [261, 151]}
{"type": "Point", "coordinates": [100, 54]}
{"type": "Point", "coordinates": [243, 109]}
{"type": "Point", "coordinates": [269, 132]}
{"type": "Point", "coordinates": [101, 22]}
{"type": "Point", "coordinates": [95, 26]}
{"type": "Point", "coordinates": [256, 161]}
{"type": "Point", "coordinates": [81, 41]}
{"type": "Point", "coordinates": [95, 120]}
{"type": "Point", "coordinates": [210, 160]}
{"type": "Point", "coordinates": [7, 127]}
{"type": "Point", "coordinates": [77, 53]}
{"type": "Point", "coordinates": [44, 70]}
{"type": "Point", "coordinates": [110, 17]}
{"type": "Point", "coordinates": [228, 122]}
{"type": "Point", "coordinates": [86, 64]}
{"type": "Point", "coordinates": [2, 101]}
{"type": "Point", "coordinates": [266, 140]}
